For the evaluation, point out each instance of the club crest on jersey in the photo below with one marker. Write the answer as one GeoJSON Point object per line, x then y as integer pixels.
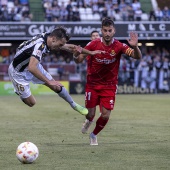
{"type": "Point", "coordinates": [112, 53]}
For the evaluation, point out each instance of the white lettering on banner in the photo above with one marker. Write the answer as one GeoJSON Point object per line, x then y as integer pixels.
{"type": "Point", "coordinates": [105, 61]}
{"type": "Point", "coordinates": [151, 27]}
{"type": "Point", "coordinates": [131, 27]}
{"type": "Point", "coordinates": [84, 30]}
{"type": "Point", "coordinates": [142, 27]}
{"type": "Point", "coordinates": [162, 27]}
{"type": "Point", "coordinates": [34, 29]}
{"type": "Point", "coordinates": [4, 27]}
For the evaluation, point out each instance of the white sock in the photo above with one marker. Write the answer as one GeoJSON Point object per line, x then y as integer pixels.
{"type": "Point", "coordinates": [66, 96]}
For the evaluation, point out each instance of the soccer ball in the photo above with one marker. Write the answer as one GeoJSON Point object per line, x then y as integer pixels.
{"type": "Point", "coordinates": [27, 152]}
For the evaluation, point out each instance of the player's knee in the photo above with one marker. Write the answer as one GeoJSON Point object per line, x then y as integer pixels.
{"type": "Point", "coordinates": [90, 116]}
{"type": "Point", "coordinates": [105, 116]}
{"type": "Point", "coordinates": [56, 89]}
{"type": "Point", "coordinates": [30, 103]}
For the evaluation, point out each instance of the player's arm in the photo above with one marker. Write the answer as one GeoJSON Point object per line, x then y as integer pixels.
{"type": "Point", "coordinates": [133, 41]}
{"type": "Point", "coordinates": [78, 49]}
{"type": "Point", "coordinates": [33, 68]}
{"type": "Point", "coordinates": [136, 54]}
{"type": "Point", "coordinates": [79, 58]}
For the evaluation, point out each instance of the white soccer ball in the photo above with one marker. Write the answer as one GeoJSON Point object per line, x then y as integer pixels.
{"type": "Point", "coordinates": [27, 152]}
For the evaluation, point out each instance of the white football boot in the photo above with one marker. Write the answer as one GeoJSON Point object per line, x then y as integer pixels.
{"type": "Point", "coordinates": [86, 126]}
{"type": "Point", "coordinates": [93, 140]}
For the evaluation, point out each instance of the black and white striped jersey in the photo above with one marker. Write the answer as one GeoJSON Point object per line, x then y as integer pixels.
{"type": "Point", "coordinates": [37, 47]}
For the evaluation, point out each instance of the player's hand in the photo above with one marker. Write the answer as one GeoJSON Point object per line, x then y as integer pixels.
{"type": "Point", "coordinates": [77, 50]}
{"type": "Point", "coordinates": [133, 41]}
{"type": "Point", "coordinates": [54, 83]}
{"type": "Point", "coordinates": [97, 52]}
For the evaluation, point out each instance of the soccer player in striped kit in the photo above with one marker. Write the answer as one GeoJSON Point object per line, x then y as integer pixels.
{"type": "Point", "coordinates": [26, 66]}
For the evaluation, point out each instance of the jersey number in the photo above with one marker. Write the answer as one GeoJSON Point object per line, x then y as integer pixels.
{"type": "Point", "coordinates": [20, 87]}
{"type": "Point", "coordinates": [88, 95]}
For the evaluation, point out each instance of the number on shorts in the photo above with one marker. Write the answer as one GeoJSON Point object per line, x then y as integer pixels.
{"type": "Point", "coordinates": [20, 87]}
{"type": "Point", "coordinates": [88, 95]}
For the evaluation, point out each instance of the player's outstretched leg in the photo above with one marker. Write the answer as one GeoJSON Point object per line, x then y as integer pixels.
{"type": "Point", "coordinates": [86, 126]}
{"type": "Point", "coordinates": [82, 110]}
{"type": "Point", "coordinates": [66, 96]}
{"type": "Point", "coordinates": [93, 139]}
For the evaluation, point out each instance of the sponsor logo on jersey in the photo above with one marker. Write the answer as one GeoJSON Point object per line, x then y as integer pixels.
{"type": "Point", "coordinates": [39, 53]}
{"type": "Point", "coordinates": [105, 60]}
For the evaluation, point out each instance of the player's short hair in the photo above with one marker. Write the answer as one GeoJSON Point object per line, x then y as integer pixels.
{"type": "Point", "coordinates": [107, 22]}
{"type": "Point", "coordinates": [60, 32]}
{"type": "Point", "coordinates": [94, 31]}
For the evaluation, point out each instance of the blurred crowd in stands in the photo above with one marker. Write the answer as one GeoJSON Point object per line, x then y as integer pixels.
{"type": "Point", "coordinates": [15, 10]}
{"type": "Point", "coordinates": [82, 10]}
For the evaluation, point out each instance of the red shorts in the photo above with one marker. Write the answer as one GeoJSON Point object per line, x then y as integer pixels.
{"type": "Point", "coordinates": [102, 97]}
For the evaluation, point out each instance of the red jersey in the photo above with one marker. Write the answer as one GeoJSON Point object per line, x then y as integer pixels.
{"type": "Point", "coordinates": [102, 69]}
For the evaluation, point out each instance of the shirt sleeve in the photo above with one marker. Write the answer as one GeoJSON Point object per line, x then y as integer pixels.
{"type": "Point", "coordinates": [89, 46]}
{"type": "Point", "coordinates": [38, 51]}
{"type": "Point", "coordinates": [127, 50]}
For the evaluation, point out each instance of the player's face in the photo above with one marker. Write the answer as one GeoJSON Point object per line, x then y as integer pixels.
{"type": "Point", "coordinates": [108, 33]}
{"type": "Point", "coordinates": [56, 44]}
{"type": "Point", "coordinates": [95, 35]}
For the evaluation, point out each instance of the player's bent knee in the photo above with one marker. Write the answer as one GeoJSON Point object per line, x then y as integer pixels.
{"type": "Point", "coordinates": [29, 101]}
{"type": "Point", "coordinates": [106, 116]}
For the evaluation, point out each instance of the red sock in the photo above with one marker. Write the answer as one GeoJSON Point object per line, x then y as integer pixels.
{"type": "Point", "coordinates": [100, 124]}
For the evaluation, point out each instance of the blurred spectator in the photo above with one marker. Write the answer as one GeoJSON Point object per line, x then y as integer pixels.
{"type": "Point", "coordinates": [49, 14]}
{"type": "Point", "coordinates": [130, 14]}
{"type": "Point", "coordinates": [76, 15]}
{"type": "Point", "coordinates": [158, 14]}
{"type": "Point", "coordinates": [166, 14]}
{"type": "Point", "coordinates": [104, 13]}
{"type": "Point", "coordinates": [138, 14]}
{"type": "Point", "coordinates": [124, 13]}
{"type": "Point", "coordinates": [111, 13]}
{"type": "Point", "coordinates": [3, 2]}
{"type": "Point", "coordinates": [63, 13]}
{"type": "Point", "coordinates": [55, 11]}
{"type": "Point", "coordinates": [136, 5]}
{"type": "Point", "coordinates": [152, 16]}
{"type": "Point", "coordinates": [122, 5]}
{"type": "Point", "coordinates": [4, 13]}
{"type": "Point", "coordinates": [95, 8]}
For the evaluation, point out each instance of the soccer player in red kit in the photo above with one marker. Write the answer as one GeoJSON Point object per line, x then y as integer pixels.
{"type": "Point", "coordinates": [102, 74]}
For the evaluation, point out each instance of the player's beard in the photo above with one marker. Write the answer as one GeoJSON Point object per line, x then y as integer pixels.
{"type": "Point", "coordinates": [108, 39]}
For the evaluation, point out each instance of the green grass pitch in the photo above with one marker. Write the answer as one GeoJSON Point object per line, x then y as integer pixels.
{"type": "Point", "coordinates": [137, 136]}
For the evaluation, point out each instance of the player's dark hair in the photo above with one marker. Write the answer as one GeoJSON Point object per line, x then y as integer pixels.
{"type": "Point", "coordinates": [60, 32]}
{"type": "Point", "coordinates": [94, 31]}
{"type": "Point", "coordinates": [107, 22]}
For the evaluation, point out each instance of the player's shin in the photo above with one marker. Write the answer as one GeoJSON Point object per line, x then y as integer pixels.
{"type": "Point", "coordinates": [66, 96]}
{"type": "Point", "coordinates": [100, 124]}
